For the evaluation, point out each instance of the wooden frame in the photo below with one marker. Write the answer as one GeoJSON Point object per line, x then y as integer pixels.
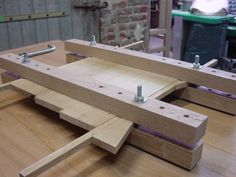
{"type": "Point", "coordinates": [176, 123]}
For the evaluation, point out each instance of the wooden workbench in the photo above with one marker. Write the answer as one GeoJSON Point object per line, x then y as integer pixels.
{"type": "Point", "coordinates": [29, 132]}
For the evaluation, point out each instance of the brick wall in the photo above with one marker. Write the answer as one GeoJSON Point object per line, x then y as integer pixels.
{"type": "Point", "coordinates": [123, 21]}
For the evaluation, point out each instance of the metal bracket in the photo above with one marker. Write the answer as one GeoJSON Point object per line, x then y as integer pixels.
{"type": "Point", "coordinates": [50, 48]}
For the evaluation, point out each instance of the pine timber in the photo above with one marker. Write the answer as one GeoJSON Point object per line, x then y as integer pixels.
{"type": "Point", "coordinates": [207, 99]}
{"type": "Point", "coordinates": [174, 122]}
{"type": "Point", "coordinates": [82, 115]}
{"type": "Point", "coordinates": [206, 76]}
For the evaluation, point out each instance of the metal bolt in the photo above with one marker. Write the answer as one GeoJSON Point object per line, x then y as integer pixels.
{"type": "Point", "coordinates": [26, 58]}
{"type": "Point", "coordinates": [196, 64]}
{"type": "Point", "coordinates": [139, 96]}
{"type": "Point", "coordinates": [93, 42]}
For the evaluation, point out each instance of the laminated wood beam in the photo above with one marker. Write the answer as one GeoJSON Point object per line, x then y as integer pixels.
{"type": "Point", "coordinates": [206, 76]}
{"type": "Point", "coordinates": [89, 117]}
{"type": "Point", "coordinates": [174, 122]}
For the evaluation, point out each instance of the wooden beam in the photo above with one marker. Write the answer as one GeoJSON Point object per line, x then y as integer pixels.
{"type": "Point", "coordinates": [172, 121]}
{"type": "Point", "coordinates": [209, 77]}
{"type": "Point", "coordinates": [83, 115]}
{"type": "Point", "coordinates": [207, 99]}
{"type": "Point", "coordinates": [109, 136]}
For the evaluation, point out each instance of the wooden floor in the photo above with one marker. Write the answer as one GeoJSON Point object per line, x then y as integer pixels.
{"type": "Point", "coordinates": [29, 132]}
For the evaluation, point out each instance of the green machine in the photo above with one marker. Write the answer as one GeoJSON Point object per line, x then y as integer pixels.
{"type": "Point", "coordinates": [202, 35]}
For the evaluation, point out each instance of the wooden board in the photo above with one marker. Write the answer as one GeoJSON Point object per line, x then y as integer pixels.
{"type": "Point", "coordinates": [212, 100]}
{"type": "Point", "coordinates": [24, 125]}
{"type": "Point", "coordinates": [169, 67]}
{"type": "Point", "coordinates": [120, 76]}
{"type": "Point", "coordinates": [179, 124]}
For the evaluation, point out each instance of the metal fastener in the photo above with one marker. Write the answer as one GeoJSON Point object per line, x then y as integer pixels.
{"type": "Point", "coordinates": [196, 64]}
{"type": "Point", "coordinates": [26, 58]}
{"type": "Point", "coordinates": [139, 96]}
{"type": "Point", "coordinates": [93, 41]}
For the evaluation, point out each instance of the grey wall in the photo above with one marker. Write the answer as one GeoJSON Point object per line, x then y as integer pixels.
{"type": "Point", "coordinates": [79, 24]}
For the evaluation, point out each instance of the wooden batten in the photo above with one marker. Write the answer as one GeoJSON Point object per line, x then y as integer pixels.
{"type": "Point", "coordinates": [172, 121]}
{"type": "Point", "coordinates": [206, 76]}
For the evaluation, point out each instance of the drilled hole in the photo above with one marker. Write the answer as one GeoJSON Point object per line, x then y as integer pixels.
{"type": "Point", "coordinates": [37, 65]}
{"type": "Point", "coordinates": [119, 93]}
{"type": "Point", "coordinates": [186, 115]}
{"type": "Point", "coordinates": [17, 58]}
{"type": "Point", "coordinates": [233, 76]}
{"type": "Point", "coordinates": [47, 15]}
{"type": "Point", "coordinates": [162, 107]}
{"type": "Point", "coordinates": [213, 71]}
{"type": "Point", "coordinates": [10, 18]}
{"type": "Point", "coordinates": [179, 63]}
{"type": "Point", "coordinates": [29, 16]}
{"type": "Point", "coordinates": [8, 55]}
{"type": "Point", "coordinates": [48, 69]}
{"type": "Point", "coordinates": [163, 59]}
{"type": "Point", "coordinates": [209, 89]}
{"type": "Point", "coordinates": [100, 86]}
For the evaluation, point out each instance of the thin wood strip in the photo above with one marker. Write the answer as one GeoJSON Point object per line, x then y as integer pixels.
{"type": "Point", "coordinates": [211, 63]}
{"type": "Point", "coordinates": [209, 77]}
{"type": "Point", "coordinates": [52, 159]}
{"type": "Point", "coordinates": [175, 122]}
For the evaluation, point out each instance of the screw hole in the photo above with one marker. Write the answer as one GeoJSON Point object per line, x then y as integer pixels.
{"type": "Point", "coordinates": [179, 63]}
{"type": "Point", "coordinates": [233, 76]}
{"type": "Point", "coordinates": [29, 16]}
{"type": "Point", "coordinates": [209, 89]}
{"type": "Point", "coordinates": [100, 86]}
{"type": "Point", "coordinates": [37, 65]}
{"type": "Point", "coordinates": [187, 116]}
{"type": "Point", "coordinates": [8, 55]}
{"type": "Point", "coordinates": [228, 94]}
{"type": "Point", "coordinates": [48, 69]}
{"type": "Point", "coordinates": [17, 58]}
{"type": "Point", "coordinates": [213, 71]}
{"type": "Point", "coordinates": [162, 107]}
{"type": "Point", "coordinates": [120, 93]}
{"type": "Point", "coordinates": [163, 59]}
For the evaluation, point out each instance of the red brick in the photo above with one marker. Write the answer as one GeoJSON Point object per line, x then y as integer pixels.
{"type": "Point", "coordinates": [127, 11]}
{"type": "Point", "coordinates": [141, 9]}
{"type": "Point", "coordinates": [123, 34]}
{"type": "Point", "coordinates": [139, 17]}
{"type": "Point", "coordinates": [122, 27]}
{"type": "Point", "coordinates": [120, 4]}
{"type": "Point", "coordinates": [132, 26]}
{"type": "Point", "coordinates": [110, 36]}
